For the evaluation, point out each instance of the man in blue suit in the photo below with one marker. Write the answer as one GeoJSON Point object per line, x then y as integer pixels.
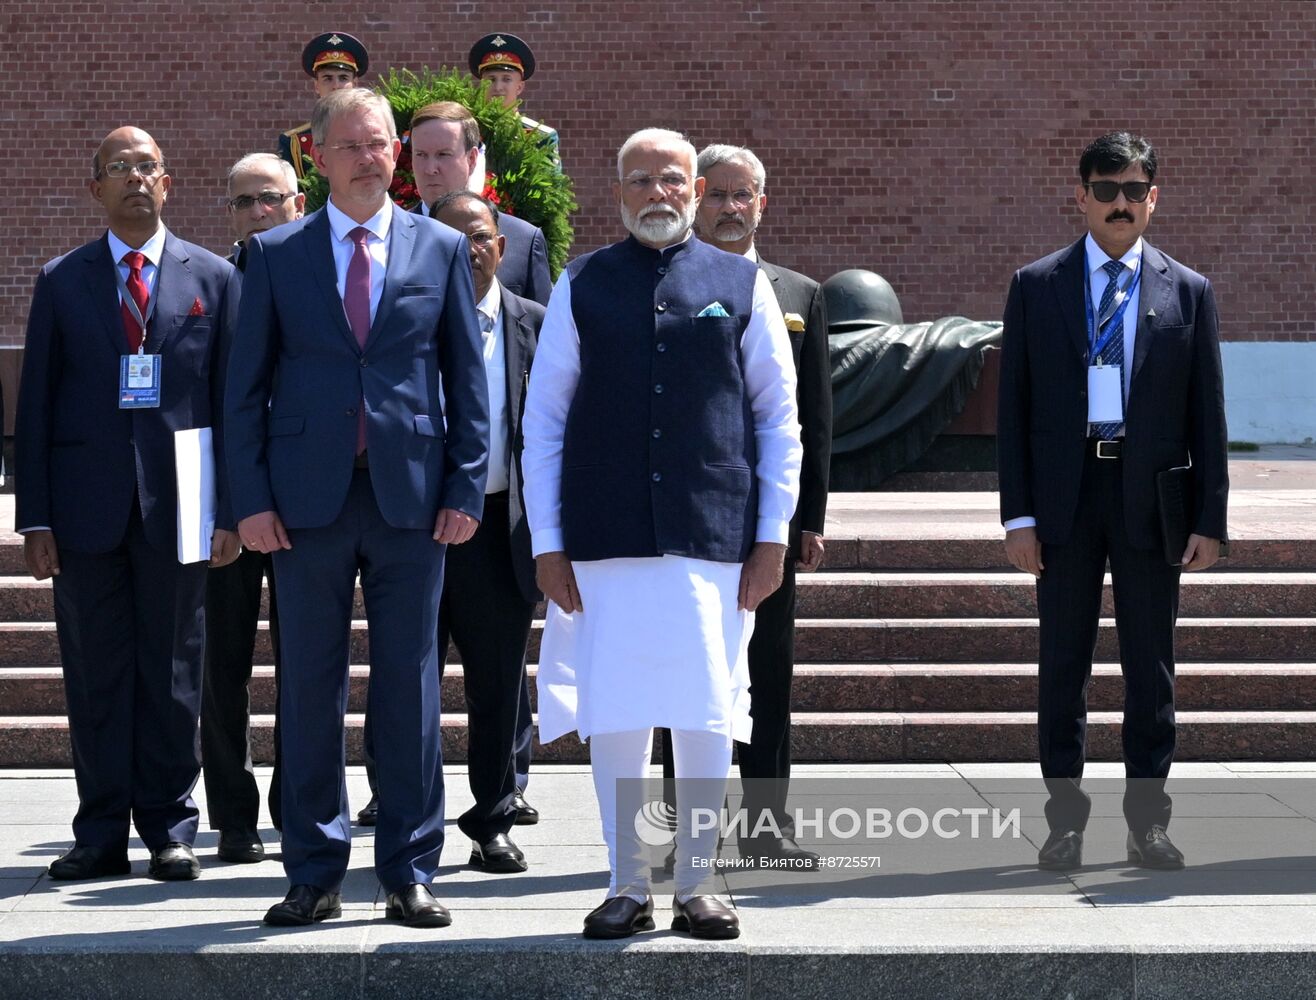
{"type": "Point", "coordinates": [98, 506]}
{"type": "Point", "coordinates": [344, 461]}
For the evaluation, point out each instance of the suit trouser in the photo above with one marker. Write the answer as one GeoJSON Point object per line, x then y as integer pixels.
{"type": "Point", "coordinates": [488, 620]}
{"type": "Point", "coordinates": [525, 734]}
{"type": "Point", "coordinates": [1146, 592]}
{"type": "Point", "coordinates": [765, 761]}
{"type": "Point", "coordinates": [401, 575]}
{"type": "Point", "coordinates": [233, 595]}
{"type": "Point", "coordinates": [131, 638]}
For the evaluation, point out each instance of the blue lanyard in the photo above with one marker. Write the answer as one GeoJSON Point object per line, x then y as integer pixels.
{"type": "Point", "coordinates": [1116, 319]}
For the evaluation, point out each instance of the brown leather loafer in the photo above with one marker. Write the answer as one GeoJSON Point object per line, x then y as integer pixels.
{"type": "Point", "coordinates": [619, 917]}
{"type": "Point", "coordinates": [705, 917]}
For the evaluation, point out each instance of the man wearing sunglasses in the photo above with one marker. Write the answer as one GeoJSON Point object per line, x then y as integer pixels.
{"type": "Point", "coordinates": [262, 193]}
{"type": "Point", "coordinates": [1110, 374]}
{"type": "Point", "coordinates": [122, 351]}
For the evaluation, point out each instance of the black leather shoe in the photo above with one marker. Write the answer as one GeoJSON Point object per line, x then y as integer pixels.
{"type": "Point", "coordinates": [619, 917]}
{"type": "Point", "coordinates": [497, 854]}
{"type": "Point", "coordinates": [416, 906]}
{"type": "Point", "coordinates": [526, 814]}
{"type": "Point", "coordinates": [705, 917]}
{"type": "Point", "coordinates": [1062, 852]}
{"type": "Point", "coordinates": [240, 847]}
{"type": "Point", "coordinates": [174, 862]}
{"type": "Point", "coordinates": [369, 816]}
{"type": "Point", "coordinates": [1154, 850]}
{"type": "Point", "coordinates": [304, 904]}
{"type": "Point", "coordinates": [778, 852]}
{"type": "Point", "coordinates": [89, 862]}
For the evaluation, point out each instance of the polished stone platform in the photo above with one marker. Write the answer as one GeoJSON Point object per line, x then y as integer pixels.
{"type": "Point", "coordinates": [1234, 924]}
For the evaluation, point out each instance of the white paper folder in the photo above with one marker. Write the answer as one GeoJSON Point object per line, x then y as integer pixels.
{"type": "Point", "coordinates": [194, 458]}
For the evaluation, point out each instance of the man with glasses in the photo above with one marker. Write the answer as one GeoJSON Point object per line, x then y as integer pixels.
{"type": "Point", "coordinates": [489, 591]}
{"type": "Point", "coordinates": [1110, 375]}
{"type": "Point", "coordinates": [262, 193]}
{"type": "Point", "coordinates": [662, 460]}
{"type": "Point", "coordinates": [122, 351]}
{"type": "Point", "coordinates": [344, 461]}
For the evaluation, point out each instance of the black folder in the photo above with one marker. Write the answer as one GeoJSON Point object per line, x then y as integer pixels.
{"type": "Point", "coordinates": [1174, 507]}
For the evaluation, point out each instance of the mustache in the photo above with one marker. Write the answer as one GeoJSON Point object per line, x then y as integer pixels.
{"type": "Point", "coordinates": [649, 210]}
{"type": "Point", "coordinates": [1119, 214]}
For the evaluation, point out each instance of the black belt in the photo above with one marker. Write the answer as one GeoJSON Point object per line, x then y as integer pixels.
{"type": "Point", "coordinates": [1106, 449]}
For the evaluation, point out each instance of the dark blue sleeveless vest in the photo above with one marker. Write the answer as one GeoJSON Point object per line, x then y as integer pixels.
{"type": "Point", "coordinates": [659, 455]}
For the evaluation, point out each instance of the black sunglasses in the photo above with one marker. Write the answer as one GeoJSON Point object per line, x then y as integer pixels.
{"type": "Point", "coordinates": [1108, 191]}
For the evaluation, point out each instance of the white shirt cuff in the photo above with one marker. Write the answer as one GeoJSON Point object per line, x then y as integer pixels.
{"type": "Point", "coordinates": [547, 540]}
{"type": "Point", "coordinates": [1020, 522]}
{"type": "Point", "coordinates": [771, 529]}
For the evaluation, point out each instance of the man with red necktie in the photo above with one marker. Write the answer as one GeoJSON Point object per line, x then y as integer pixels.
{"type": "Point", "coordinates": [97, 504]}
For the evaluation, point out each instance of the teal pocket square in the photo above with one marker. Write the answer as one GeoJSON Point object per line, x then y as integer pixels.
{"type": "Point", "coordinates": [713, 309]}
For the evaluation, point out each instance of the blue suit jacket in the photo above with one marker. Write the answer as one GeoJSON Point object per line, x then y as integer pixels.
{"type": "Point", "coordinates": [1175, 412]}
{"type": "Point", "coordinates": [296, 377]}
{"type": "Point", "coordinates": [79, 457]}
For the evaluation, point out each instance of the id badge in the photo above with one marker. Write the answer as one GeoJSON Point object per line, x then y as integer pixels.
{"type": "Point", "coordinates": [1105, 395]}
{"type": "Point", "coordinates": [139, 381]}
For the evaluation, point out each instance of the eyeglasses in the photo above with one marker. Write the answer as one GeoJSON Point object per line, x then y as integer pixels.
{"type": "Point", "coordinates": [374, 147]}
{"type": "Point", "coordinates": [1108, 191]}
{"type": "Point", "coordinates": [122, 168]}
{"type": "Point", "coordinates": [672, 182]}
{"type": "Point", "coordinates": [482, 238]}
{"type": "Point", "coordinates": [267, 199]}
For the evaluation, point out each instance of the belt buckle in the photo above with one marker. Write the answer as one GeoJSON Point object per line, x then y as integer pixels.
{"type": "Point", "coordinates": [1101, 449]}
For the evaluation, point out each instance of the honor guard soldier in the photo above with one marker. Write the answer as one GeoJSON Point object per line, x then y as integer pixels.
{"type": "Point", "coordinates": [507, 63]}
{"type": "Point", "coordinates": [333, 61]}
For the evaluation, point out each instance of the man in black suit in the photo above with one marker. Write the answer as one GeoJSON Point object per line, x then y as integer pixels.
{"type": "Point", "coordinates": [98, 505]}
{"type": "Point", "coordinates": [489, 590]}
{"type": "Point", "coordinates": [262, 193]}
{"type": "Point", "coordinates": [1110, 374]}
{"type": "Point", "coordinates": [728, 217]}
{"type": "Point", "coordinates": [445, 145]}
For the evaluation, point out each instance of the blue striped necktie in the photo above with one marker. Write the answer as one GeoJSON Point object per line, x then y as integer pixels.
{"type": "Point", "coordinates": [1113, 352]}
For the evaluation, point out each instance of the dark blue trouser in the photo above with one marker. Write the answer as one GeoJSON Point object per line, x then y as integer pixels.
{"type": "Point", "coordinates": [401, 576]}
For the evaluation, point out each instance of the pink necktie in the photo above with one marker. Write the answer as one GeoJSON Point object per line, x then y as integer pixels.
{"type": "Point", "coordinates": [356, 302]}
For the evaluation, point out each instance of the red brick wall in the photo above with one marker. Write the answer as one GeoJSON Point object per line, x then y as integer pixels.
{"type": "Point", "coordinates": [932, 141]}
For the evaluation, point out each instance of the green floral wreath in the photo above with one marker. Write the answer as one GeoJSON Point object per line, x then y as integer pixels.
{"type": "Point", "coordinates": [523, 179]}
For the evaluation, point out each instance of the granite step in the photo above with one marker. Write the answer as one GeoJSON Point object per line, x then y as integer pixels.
{"type": "Point", "coordinates": [878, 687]}
{"type": "Point", "coordinates": [847, 551]}
{"type": "Point", "coordinates": [870, 640]}
{"type": "Point", "coordinates": [42, 741]}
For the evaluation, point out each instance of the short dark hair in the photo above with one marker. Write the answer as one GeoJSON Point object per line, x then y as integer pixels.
{"type": "Point", "coordinates": [450, 111]}
{"type": "Point", "coordinates": [1114, 152]}
{"type": "Point", "coordinates": [461, 198]}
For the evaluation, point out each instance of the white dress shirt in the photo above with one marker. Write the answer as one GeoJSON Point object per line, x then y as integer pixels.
{"type": "Point", "coordinates": [1097, 279]}
{"type": "Point", "coordinates": [341, 226]}
{"type": "Point", "coordinates": [490, 309]}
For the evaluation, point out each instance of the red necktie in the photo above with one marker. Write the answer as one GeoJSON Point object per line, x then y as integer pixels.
{"type": "Point", "coordinates": [356, 303]}
{"type": "Point", "coordinates": [137, 289]}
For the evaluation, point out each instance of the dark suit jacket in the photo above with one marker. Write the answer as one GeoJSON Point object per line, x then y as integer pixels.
{"type": "Point", "coordinates": [524, 267]}
{"type": "Point", "coordinates": [803, 296]}
{"type": "Point", "coordinates": [522, 319]}
{"type": "Point", "coordinates": [1175, 410]}
{"type": "Point", "coordinates": [79, 458]}
{"type": "Point", "coordinates": [297, 376]}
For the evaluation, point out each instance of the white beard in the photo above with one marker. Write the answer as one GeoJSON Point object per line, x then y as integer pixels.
{"type": "Point", "coordinates": [660, 224]}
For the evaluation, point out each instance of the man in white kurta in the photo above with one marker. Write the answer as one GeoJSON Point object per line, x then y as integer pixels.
{"type": "Point", "coordinates": [661, 463]}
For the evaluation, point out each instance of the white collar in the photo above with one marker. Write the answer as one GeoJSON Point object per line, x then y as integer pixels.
{"type": "Point", "coordinates": [752, 254]}
{"type": "Point", "coordinates": [152, 249]}
{"type": "Point", "coordinates": [1097, 257]}
{"type": "Point", "coordinates": [340, 224]}
{"type": "Point", "coordinates": [492, 303]}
